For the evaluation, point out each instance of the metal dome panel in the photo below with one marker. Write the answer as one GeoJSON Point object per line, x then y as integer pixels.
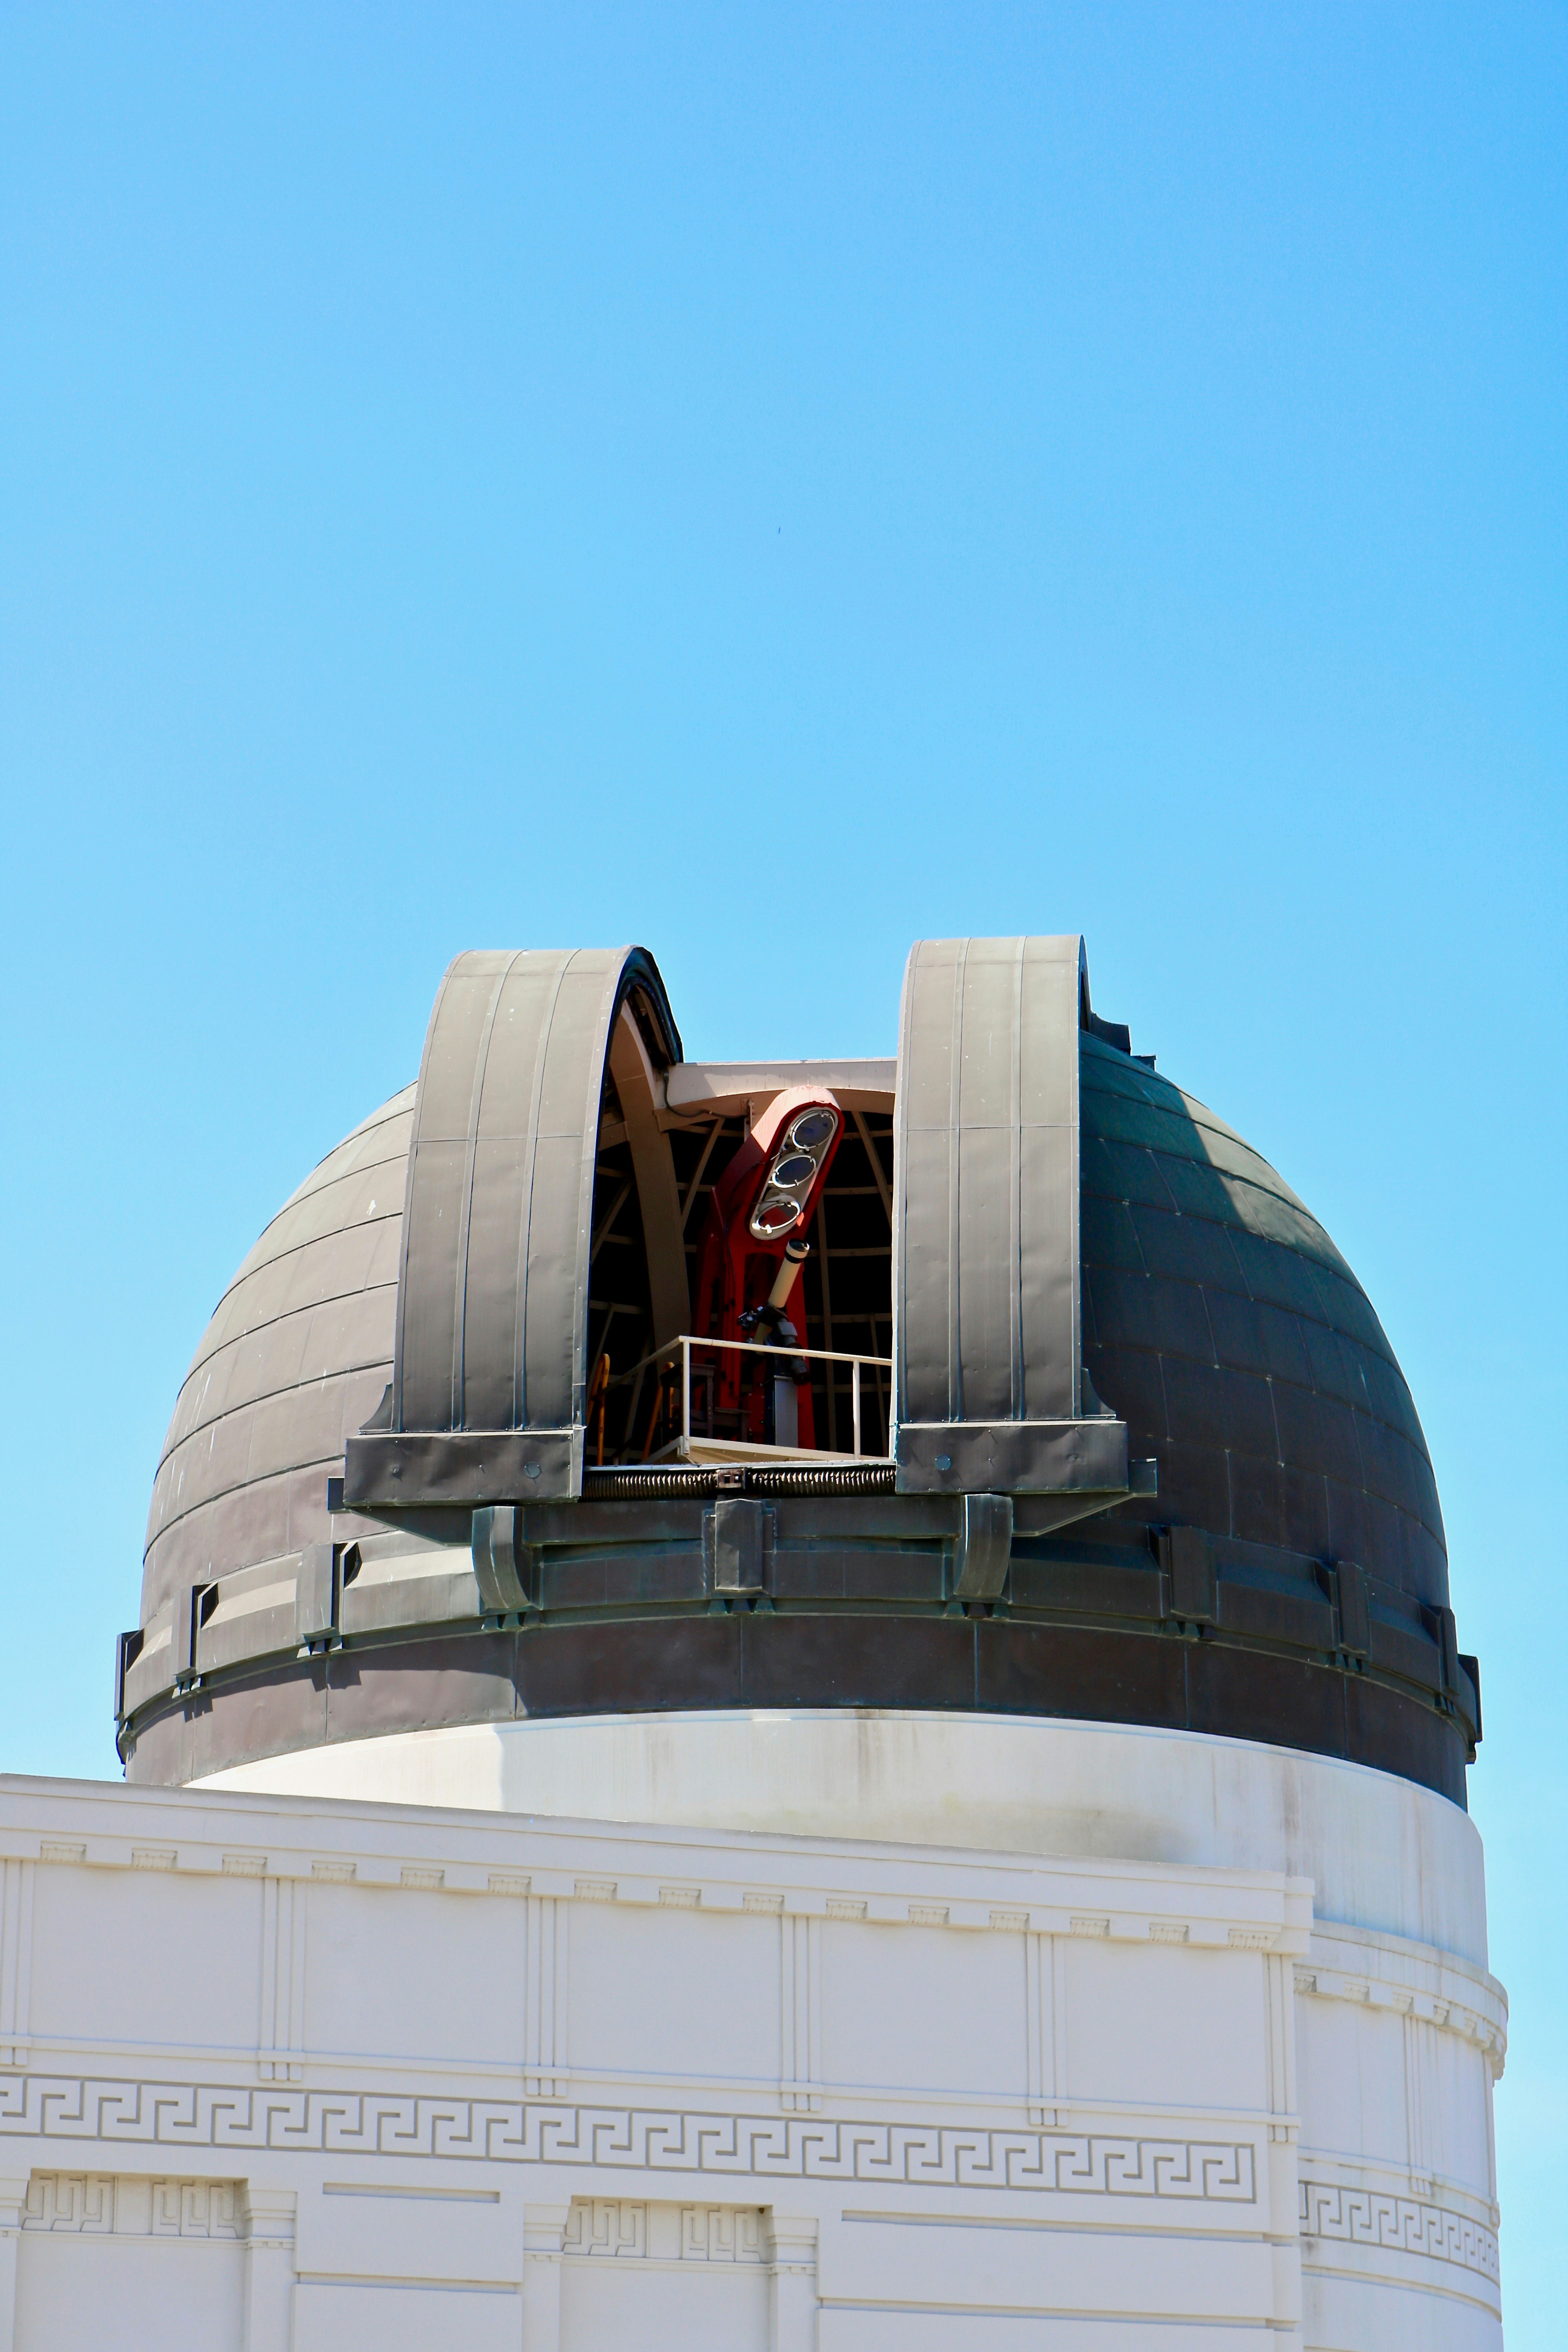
{"type": "Point", "coordinates": [297, 1353]}
{"type": "Point", "coordinates": [488, 1378]}
{"type": "Point", "coordinates": [985, 1237]}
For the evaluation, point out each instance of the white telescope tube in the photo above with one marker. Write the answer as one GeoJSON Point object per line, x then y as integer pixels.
{"type": "Point", "coordinates": [794, 1257]}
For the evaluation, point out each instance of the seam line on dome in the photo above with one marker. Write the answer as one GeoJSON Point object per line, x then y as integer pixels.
{"type": "Point", "coordinates": [238, 1339]}
{"type": "Point", "coordinates": [318, 1461]}
{"type": "Point", "coordinates": [381, 1116]}
{"type": "Point", "coordinates": [354, 1175]}
{"type": "Point", "coordinates": [1320, 1322]}
{"type": "Point", "coordinates": [316, 1184]}
{"type": "Point", "coordinates": [267, 1396]}
{"type": "Point", "coordinates": [1274, 1381]}
{"type": "Point", "coordinates": [349, 1371]}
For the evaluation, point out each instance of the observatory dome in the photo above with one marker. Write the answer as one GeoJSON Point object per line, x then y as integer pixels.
{"type": "Point", "coordinates": [1087, 1416]}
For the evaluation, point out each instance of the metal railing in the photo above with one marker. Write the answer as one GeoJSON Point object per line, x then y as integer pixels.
{"type": "Point", "coordinates": [736, 1448]}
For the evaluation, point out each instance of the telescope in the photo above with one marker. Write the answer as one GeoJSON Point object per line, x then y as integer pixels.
{"type": "Point", "coordinates": [753, 1248]}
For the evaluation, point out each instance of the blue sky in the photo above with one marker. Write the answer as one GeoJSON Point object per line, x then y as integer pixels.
{"type": "Point", "coordinates": [773, 485]}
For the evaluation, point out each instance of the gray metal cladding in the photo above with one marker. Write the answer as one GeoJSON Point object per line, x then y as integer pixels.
{"type": "Point", "coordinates": [986, 1275]}
{"type": "Point", "coordinates": [492, 1314]}
{"type": "Point", "coordinates": [297, 1353]}
{"type": "Point", "coordinates": [986, 1233]}
{"type": "Point", "coordinates": [1221, 1321]}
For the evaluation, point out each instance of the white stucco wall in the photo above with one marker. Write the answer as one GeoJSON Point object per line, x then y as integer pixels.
{"type": "Point", "coordinates": [292, 2070]}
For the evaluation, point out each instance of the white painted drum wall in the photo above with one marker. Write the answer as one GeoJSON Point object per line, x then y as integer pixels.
{"type": "Point", "coordinates": [1380, 1852]}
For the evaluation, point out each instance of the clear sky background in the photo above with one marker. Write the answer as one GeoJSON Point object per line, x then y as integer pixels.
{"type": "Point", "coordinates": [774, 485]}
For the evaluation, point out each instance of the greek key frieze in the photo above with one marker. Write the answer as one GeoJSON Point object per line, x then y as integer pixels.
{"type": "Point", "coordinates": [655, 2140]}
{"type": "Point", "coordinates": [1406, 2225]}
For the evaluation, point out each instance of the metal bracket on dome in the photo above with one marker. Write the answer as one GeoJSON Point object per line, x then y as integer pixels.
{"type": "Point", "coordinates": [1018, 1457]}
{"type": "Point", "coordinates": [407, 1470]}
{"type": "Point", "coordinates": [990, 1394]}
{"type": "Point", "coordinates": [505, 1570]}
{"type": "Point", "coordinates": [982, 1552]}
{"type": "Point", "coordinates": [488, 1372]}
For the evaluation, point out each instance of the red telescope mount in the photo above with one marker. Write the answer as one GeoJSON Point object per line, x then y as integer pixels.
{"type": "Point", "coordinates": [754, 1247]}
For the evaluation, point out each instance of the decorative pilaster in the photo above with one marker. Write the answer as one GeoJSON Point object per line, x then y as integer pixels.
{"type": "Point", "coordinates": [267, 2216]}
{"type": "Point", "coordinates": [545, 1981]}
{"type": "Point", "coordinates": [1043, 2005]}
{"type": "Point", "coordinates": [792, 2283]}
{"type": "Point", "coordinates": [544, 2242]}
{"type": "Point", "coordinates": [13, 2204]}
{"type": "Point", "coordinates": [1058, 2087]}
{"type": "Point", "coordinates": [15, 1958]}
{"type": "Point", "coordinates": [1284, 2132]}
{"type": "Point", "coordinates": [800, 2018]}
{"type": "Point", "coordinates": [1421, 2182]}
{"type": "Point", "coordinates": [281, 2036]}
